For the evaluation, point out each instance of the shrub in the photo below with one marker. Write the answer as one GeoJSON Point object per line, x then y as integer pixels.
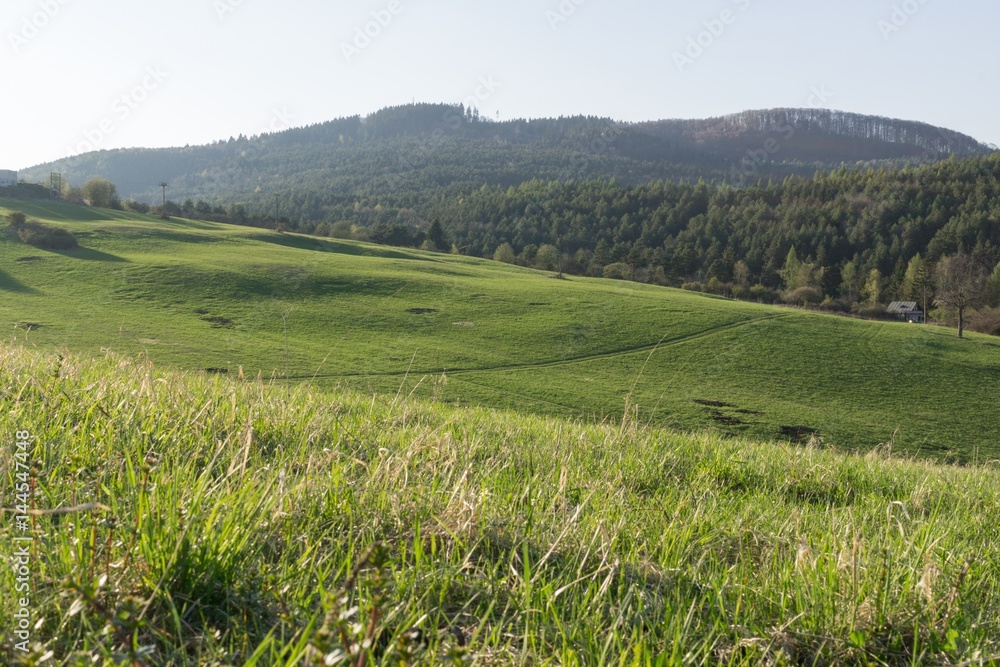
{"type": "Point", "coordinates": [762, 294]}
{"type": "Point", "coordinates": [45, 237]}
{"type": "Point", "coordinates": [505, 254]}
{"type": "Point", "coordinates": [16, 219]}
{"type": "Point", "coordinates": [341, 229]}
{"type": "Point", "coordinates": [872, 312]}
{"type": "Point", "coordinates": [617, 271]}
{"type": "Point", "coordinates": [985, 321]}
{"type": "Point", "coordinates": [834, 305]}
{"type": "Point", "coordinates": [803, 296]}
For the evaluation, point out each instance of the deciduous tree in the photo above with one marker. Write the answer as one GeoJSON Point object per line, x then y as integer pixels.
{"type": "Point", "coordinates": [101, 193]}
{"type": "Point", "coordinates": [961, 284]}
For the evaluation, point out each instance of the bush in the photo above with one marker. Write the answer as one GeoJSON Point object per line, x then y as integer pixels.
{"type": "Point", "coordinates": [834, 305]}
{"type": "Point", "coordinates": [985, 321]}
{"type": "Point", "coordinates": [804, 296]}
{"type": "Point", "coordinates": [762, 294]}
{"type": "Point", "coordinates": [505, 254]}
{"type": "Point", "coordinates": [872, 312]}
{"type": "Point", "coordinates": [138, 207]}
{"type": "Point", "coordinates": [617, 271]}
{"type": "Point", "coordinates": [45, 237]}
{"type": "Point", "coordinates": [16, 219]}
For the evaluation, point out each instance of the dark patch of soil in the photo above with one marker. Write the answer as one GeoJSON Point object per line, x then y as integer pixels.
{"type": "Point", "coordinates": [539, 304]}
{"type": "Point", "coordinates": [201, 311]}
{"type": "Point", "coordinates": [714, 404]}
{"type": "Point", "coordinates": [29, 326]}
{"type": "Point", "coordinates": [29, 259]}
{"type": "Point", "coordinates": [799, 434]}
{"type": "Point", "coordinates": [423, 311]}
{"type": "Point", "coordinates": [219, 322]}
{"type": "Point", "coordinates": [217, 371]}
{"type": "Point", "coordinates": [755, 413]}
{"type": "Point", "coordinates": [725, 420]}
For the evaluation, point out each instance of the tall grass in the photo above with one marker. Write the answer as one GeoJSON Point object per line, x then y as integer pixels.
{"type": "Point", "coordinates": [216, 521]}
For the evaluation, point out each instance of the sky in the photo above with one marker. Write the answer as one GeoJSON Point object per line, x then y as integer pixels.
{"type": "Point", "coordinates": [101, 74]}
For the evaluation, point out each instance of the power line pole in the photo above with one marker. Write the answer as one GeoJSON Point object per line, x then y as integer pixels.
{"type": "Point", "coordinates": [164, 211]}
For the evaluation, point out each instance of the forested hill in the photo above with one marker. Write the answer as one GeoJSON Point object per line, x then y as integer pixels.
{"type": "Point", "coordinates": [815, 135]}
{"type": "Point", "coordinates": [413, 152]}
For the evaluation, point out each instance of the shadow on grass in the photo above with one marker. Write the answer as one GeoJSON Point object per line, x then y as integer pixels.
{"type": "Point", "coordinates": [90, 255]}
{"type": "Point", "coordinates": [9, 283]}
{"type": "Point", "coordinates": [334, 246]}
{"type": "Point", "coordinates": [58, 211]}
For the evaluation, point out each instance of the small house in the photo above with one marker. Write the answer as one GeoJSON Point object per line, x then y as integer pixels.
{"type": "Point", "coordinates": [7, 178]}
{"type": "Point", "coordinates": [906, 310]}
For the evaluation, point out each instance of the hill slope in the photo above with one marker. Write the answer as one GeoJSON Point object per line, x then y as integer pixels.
{"type": "Point", "coordinates": [209, 296]}
{"type": "Point", "coordinates": [414, 151]}
{"type": "Point", "coordinates": [209, 521]}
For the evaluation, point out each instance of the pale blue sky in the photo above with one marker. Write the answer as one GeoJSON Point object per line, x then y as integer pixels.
{"type": "Point", "coordinates": [117, 73]}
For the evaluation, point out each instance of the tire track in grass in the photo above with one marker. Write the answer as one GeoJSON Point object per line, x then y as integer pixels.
{"type": "Point", "coordinates": [508, 392]}
{"type": "Point", "coordinates": [667, 342]}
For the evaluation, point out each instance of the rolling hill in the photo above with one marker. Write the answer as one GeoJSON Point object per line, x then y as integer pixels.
{"type": "Point", "coordinates": [241, 301]}
{"type": "Point", "coordinates": [415, 152]}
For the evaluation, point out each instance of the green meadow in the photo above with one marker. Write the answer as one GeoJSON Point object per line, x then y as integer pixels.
{"type": "Point", "coordinates": [254, 448]}
{"type": "Point", "coordinates": [223, 299]}
{"type": "Point", "coordinates": [212, 521]}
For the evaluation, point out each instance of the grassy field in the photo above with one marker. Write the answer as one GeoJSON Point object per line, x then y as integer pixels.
{"type": "Point", "coordinates": [206, 296]}
{"type": "Point", "coordinates": [211, 521]}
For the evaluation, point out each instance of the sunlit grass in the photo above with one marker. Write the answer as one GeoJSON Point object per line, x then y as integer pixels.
{"type": "Point", "coordinates": [233, 526]}
{"type": "Point", "coordinates": [200, 295]}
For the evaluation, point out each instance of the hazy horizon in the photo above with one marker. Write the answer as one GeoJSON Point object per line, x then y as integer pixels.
{"type": "Point", "coordinates": [122, 75]}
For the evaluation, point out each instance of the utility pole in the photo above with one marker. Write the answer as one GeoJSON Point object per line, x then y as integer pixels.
{"type": "Point", "coordinates": [164, 186]}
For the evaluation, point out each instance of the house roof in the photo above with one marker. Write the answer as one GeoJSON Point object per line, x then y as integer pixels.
{"type": "Point", "coordinates": [902, 307]}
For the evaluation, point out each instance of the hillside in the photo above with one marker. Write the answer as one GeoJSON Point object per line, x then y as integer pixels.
{"type": "Point", "coordinates": [413, 152]}
{"type": "Point", "coordinates": [242, 301]}
{"type": "Point", "coordinates": [816, 136]}
{"type": "Point", "coordinates": [210, 521]}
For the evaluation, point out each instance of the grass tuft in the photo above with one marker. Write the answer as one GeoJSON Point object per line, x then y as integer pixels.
{"type": "Point", "coordinates": [210, 520]}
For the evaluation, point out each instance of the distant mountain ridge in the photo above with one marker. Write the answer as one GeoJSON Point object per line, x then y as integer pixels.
{"type": "Point", "coordinates": [820, 137]}
{"type": "Point", "coordinates": [411, 151]}
{"type": "Point", "coordinates": [912, 134]}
